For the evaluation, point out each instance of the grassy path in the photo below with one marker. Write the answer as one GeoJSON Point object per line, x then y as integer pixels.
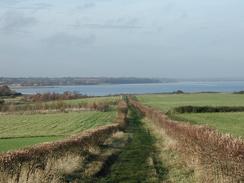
{"type": "Point", "coordinates": [137, 163]}
{"type": "Point", "coordinates": [142, 159]}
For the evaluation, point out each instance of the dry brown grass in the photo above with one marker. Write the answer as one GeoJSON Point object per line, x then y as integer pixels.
{"type": "Point", "coordinates": [178, 170]}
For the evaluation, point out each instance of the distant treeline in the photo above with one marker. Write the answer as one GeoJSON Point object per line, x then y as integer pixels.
{"type": "Point", "coordinates": [239, 92]}
{"type": "Point", "coordinates": [6, 91]}
{"type": "Point", "coordinates": [78, 81]}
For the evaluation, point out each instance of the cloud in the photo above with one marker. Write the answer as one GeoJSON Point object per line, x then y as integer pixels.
{"type": "Point", "coordinates": [15, 22]}
{"type": "Point", "coordinates": [120, 23]}
{"type": "Point", "coordinates": [36, 6]}
{"type": "Point", "coordinates": [85, 6]}
{"type": "Point", "coordinates": [9, 2]}
{"type": "Point", "coordinates": [69, 40]}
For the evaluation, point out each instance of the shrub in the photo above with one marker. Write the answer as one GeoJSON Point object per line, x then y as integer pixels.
{"type": "Point", "coordinates": [239, 92]}
{"type": "Point", "coordinates": [6, 91]}
{"type": "Point", "coordinates": [1, 102]}
{"type": "Point", "coordinates": [178, 92]}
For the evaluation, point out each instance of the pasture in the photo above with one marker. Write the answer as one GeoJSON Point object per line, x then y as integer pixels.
{"type": "Point", "coordinates": [232, 122]}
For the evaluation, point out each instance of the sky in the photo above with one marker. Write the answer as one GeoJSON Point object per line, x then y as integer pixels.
{"type": "Point", "coordinates": [122, 38]}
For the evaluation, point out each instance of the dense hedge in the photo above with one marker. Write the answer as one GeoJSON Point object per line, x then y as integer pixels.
{"type": "Point", "coordinates": [204, 109]}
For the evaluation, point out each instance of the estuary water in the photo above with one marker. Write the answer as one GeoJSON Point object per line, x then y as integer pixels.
{"type": "Point", "coordinates": [103, 90]}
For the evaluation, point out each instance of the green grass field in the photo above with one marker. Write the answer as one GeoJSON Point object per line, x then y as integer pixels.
{"type": "Point", "coordinates": [166, 102]}
{"type": "Point", "coordinates": [17, 143]}
{"type": "Point", "coordinates": [232, 123]}
{"type": "Point", "coordinates": [21, 130]}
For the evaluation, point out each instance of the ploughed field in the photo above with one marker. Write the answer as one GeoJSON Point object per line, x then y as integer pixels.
{"type": "Point", "coordinates": [21, 130]}
{"type": "Point", "coordinates": [226, 122]}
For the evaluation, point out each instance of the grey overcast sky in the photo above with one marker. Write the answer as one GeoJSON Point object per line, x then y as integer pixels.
{"type": "Point", "coordinates": [142, 38]}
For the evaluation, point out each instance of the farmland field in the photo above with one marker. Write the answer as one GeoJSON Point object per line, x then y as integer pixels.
{"type": "Point", "coordinates": [232, 123]}
{"type": "Point", "coordinates": [20, 130]}
{"type": "Point", "coordinates": [166, 102]}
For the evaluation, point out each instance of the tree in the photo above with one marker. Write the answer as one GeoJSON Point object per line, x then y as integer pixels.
{"type": "Point", "coordinates": [6, 91]}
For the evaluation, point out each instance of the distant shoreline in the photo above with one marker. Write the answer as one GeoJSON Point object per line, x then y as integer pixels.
{"type": "Point", "coordinates": [115, 89]}
{"type": "Point", "coordinates": [112, 84]}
